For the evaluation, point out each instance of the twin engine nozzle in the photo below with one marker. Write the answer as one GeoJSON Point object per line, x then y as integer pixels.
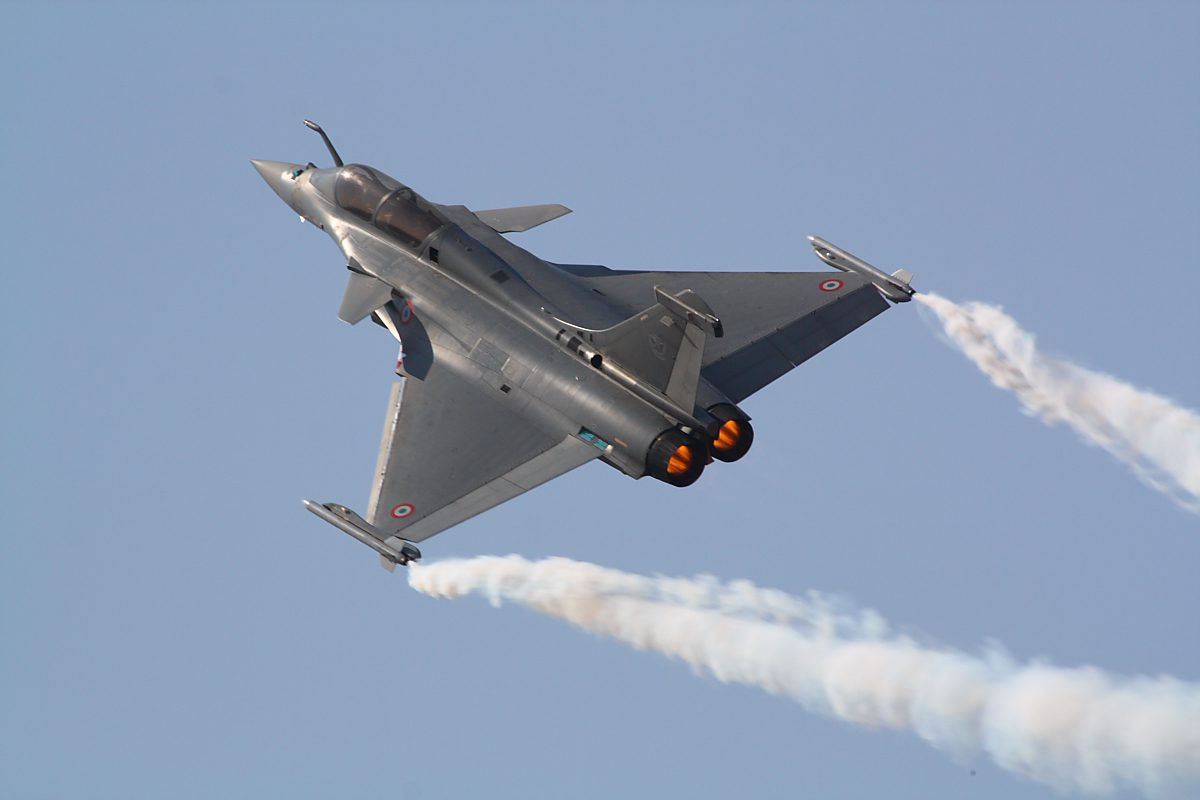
{"type": "Point", "coordinates": [679, 458]}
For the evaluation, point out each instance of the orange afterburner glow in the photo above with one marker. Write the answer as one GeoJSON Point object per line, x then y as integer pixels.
{"type": "Point", "coordinates": [728, 436]}
{"type": "Point", "coordinates": [681, 459]}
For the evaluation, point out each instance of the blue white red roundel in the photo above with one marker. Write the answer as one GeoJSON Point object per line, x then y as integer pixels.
{"type": "Point", "coordinates": [403, 510]}
{"type": "Point", "coordinates": [832, 285]}
{"type": "Point", "coordinates": [406, 312]}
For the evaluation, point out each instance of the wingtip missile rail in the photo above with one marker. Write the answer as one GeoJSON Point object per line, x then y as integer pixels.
{"type": "Point", "coordinates": [895, 287]}
{"type": "Point", "coordinates": [392, 550]}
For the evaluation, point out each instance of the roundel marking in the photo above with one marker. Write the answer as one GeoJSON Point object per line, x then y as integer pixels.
{"type": "Point", "coordinates": [406, 312]}
{"type": "Point", "coordinates": [832, 285]}
{"type": "Point", "coordinates": [403, 510]}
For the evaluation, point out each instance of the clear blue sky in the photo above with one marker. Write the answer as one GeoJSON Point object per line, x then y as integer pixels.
{"type": "Point", "coordinates": [174, 623]}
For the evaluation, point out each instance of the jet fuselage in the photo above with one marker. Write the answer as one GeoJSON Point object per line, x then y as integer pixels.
{"type": "Point", "coordinates": [461, 285]}
{"type": "Point", "coordinates": [517, 370]}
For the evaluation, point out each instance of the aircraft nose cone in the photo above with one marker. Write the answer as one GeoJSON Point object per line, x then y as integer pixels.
{"type": "Point", "coordinates": [277, 174]}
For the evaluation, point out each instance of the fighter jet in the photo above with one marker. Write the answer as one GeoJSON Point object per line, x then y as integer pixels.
{"type": "Point", "coordinates": [515, 370]}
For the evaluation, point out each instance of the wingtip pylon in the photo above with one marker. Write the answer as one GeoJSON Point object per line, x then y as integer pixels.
{"type": "Point", "coordinates": [895, 287]}
{"type": "Point", "coordinates": [392, 549]}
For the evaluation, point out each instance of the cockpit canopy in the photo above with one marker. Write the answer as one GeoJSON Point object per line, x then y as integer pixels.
{"type": "Point", "coordinates": [393, 207]}
{"type": "Point", "coordinates": [360, 190]}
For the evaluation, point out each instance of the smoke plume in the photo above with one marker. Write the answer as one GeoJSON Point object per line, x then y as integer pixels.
{"type": "Point", "coordinates": [1073, 728]}
{"type": "Point", "coordinates": [1159, 440]}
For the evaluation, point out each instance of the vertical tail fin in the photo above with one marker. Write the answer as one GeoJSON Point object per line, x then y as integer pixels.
{"type": "Point", "coordinates": [662, 346]}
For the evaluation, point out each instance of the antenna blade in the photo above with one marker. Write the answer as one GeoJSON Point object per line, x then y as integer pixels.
{"type": "Point", "coordinates": [337, 160]}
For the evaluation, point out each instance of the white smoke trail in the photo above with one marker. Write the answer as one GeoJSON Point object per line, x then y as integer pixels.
{"type": "Point", "coordinates": [1159, 440]}
{"type": "Point", "coordinates": [1073, 728]}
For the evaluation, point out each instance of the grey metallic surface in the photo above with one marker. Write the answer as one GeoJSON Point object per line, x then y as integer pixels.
{"type": "Point", "coordinates": [342, 518]}
{"type": "Point", "coordinates": [516, 370]}
{"type": "Point", "coordinates": [521, 218]}
{"type": "Point", "coordinates": [546, 465]}
{"type": "Point", "coordinates": [774, 321]}
{"type": "Point", "coordinates": [894, 286]}
{"type": "Point", "coordinates": [363, 295]}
